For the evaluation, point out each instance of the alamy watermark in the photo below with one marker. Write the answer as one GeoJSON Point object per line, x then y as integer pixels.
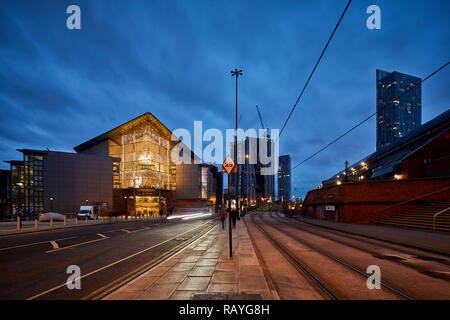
{"type": "Point", "coordinates": [374, 281]}
{"type": "Point", "coordinates": [74, 20]}
{"type": "Point", "coordinates": [253, 146]}
{"type": "Point", "coordinates": [374, 20]}
{"type": "Point", "coordinates": [74, 280]}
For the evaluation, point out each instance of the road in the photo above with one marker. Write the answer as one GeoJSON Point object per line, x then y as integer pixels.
{"type": "Point", "coordinates": [34, 265]}
{"type": "Point", "coordinates": [310, 262]}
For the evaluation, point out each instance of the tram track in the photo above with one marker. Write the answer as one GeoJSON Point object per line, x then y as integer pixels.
{"type": "Point", "coordinates": [355, 241]}
{"type": "Point", "coordinates": [307, 271]}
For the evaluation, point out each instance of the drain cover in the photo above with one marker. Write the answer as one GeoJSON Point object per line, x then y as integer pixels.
{"type": "Point", "coordinates": [226, 296]}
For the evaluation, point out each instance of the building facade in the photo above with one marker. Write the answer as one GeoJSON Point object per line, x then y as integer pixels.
{"type": "Point", "coordinates": [5, 194]}
{"type": "Point", "coordinates": [284, 178]}
{"type": "Point", "coordinates": [422, 153]}
{"type": "Point", "coordinates": [198, 186]}
{"type": "Point", "coordinates": [256, 177]}
{"type": "Point", "coordinates": [396, 118]}
{"type": "Point", "coordinates": [60, 181]}
{"type": "Point", "coordinates": [148, 177]}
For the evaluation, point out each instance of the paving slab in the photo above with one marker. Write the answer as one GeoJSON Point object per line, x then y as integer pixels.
{"type": "Point", "coordinates": [203, 268]}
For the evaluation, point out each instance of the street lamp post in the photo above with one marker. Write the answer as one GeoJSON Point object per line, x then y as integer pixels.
{"type": "Point", "coordinates": [236, 73]}
{"type": "Point", "coordinates": [51, 204]}
{"type": "Point", "coordinates": [346, 170]}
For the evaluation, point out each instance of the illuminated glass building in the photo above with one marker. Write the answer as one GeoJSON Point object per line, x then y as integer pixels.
{"type": "Point", "coordinates": [146, 172]}
{"type": "Point", "coordinates": [148, 176]}
{"type": "Point", "coordinates": [396, 118]}
{"type": "Point", "coordinates": [284, 178]}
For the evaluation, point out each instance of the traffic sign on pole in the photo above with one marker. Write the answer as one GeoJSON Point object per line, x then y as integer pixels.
{"type": "Point", "coordinates": [229, 166]}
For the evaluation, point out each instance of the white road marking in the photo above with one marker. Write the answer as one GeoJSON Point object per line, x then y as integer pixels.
{"type": "Point", "coordinates": [125, 230]}
{"type": "Point", "coordinates": [76, 245]}
{"type": "Point", "coordinates": [112, 264]}
{"type": "Point", "coordinates": [102, 235]}
{"type": "Point", "coordinates": [54, 244]}
{"type": "Point", "coordinates": [32, 244]}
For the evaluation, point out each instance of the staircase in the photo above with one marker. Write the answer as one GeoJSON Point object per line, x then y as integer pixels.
{"type": "Point", "coordinates": [422, 217]}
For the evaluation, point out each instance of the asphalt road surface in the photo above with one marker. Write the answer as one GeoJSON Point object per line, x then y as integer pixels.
{"type": "Point", "coordinates": [34, 265]}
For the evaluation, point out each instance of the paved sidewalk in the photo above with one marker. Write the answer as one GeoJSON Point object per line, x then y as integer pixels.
{"type": "Point", "coordinates": [438, 242]}
{"type": "Point", "coordinates": [9, 228]}
{"type": "Point", "coordinates": [203, 267]}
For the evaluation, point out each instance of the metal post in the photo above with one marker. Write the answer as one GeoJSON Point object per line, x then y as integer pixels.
{"type": "Point", "coordinates": [229, 216]}
{"type": "Point", "coordinates": [236, 73]}
{"type": "Point", "coordinates": [35, 224]}
{"type": "Point", "coordinates": [235, 152]}
{"type": "Point", "coordinates": [65, 221]}
{"type": "Point", "coordinates": [18, 223]}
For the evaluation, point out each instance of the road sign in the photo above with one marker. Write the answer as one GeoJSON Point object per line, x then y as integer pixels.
{"type": "Point", "coordinates": [228, 165]}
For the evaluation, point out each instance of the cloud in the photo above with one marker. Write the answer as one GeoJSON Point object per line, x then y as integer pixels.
{"type": "Point", "coordinates": [59, 88]}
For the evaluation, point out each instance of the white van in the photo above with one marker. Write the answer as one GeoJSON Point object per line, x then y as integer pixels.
{"type": "Point", "coordinates": [86, 211]}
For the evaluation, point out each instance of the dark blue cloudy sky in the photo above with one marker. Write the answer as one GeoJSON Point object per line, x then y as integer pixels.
{"type": "Point", "coordinates": [59, 88]}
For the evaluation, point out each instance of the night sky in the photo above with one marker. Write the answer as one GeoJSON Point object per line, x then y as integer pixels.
{"type": "Point", "coordinates": [60, 87]}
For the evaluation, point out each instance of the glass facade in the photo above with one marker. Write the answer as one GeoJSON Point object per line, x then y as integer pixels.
{"type": "Point", "coordinates": [396, 118]}
{"type": "Point", "coordinates": [145, 161]}
{"type": "Point", "coordinates": [147, 203]}
{"type": "Point", "coordinates": [204, 180]}
{"type": "Point", "coordinates": [17, 186]}
{"type": "Point", "coordinates": [27, 185]}
{"type": "Point", "coordinates": [284, 178]}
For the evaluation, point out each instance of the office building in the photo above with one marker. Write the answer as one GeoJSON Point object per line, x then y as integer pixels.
{"type": "Point", "coordinates": [284, 178]}
{"type": "Point", "coordinates": [396, 117]}
{"type": "Point", "coordinates": [256, 178]}
{"type": "Point", "coordinates": [60, 181]}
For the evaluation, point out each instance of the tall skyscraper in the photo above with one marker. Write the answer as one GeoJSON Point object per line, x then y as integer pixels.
{"type": "Point", "coordinates": [284, 178]}
{"type": "Point", "coordinates": [395, 118]}
{"type": "Point", "coordinates": [255, 184]}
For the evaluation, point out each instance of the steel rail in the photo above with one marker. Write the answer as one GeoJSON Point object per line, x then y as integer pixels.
{"type": "Point", "coordinates": [341, 262]}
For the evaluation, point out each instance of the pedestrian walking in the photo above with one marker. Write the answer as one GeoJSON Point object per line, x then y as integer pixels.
{"type": "Point", "coordinates": [222, 215]}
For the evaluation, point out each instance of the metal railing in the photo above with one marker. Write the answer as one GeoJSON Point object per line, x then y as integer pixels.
{"type": "Point", "coordinates": [434, 217]}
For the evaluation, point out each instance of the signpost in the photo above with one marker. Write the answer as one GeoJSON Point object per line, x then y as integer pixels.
{"type": "Point", "coordinates": [229, 166]}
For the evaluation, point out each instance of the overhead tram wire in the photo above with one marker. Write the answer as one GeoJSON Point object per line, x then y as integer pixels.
{"type": "Point", "coordinates": [369, 117]}
{"type": "Point", "coordinates": [314, 69]}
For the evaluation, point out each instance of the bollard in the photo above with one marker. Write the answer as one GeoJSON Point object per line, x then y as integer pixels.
{"type": "Point", "coordinates": [86, 220]}
{"type": "Point", "coordinates": [18, 223]}
{"type": "Point", "coordinates": [65, 221]}
{"type": "Point", "coordinates": [95, 218]}
{"type": "Point", "coordinates": [76, 220]}
{"type": "Point", "coordinates": [35, 224]}
{"type": "Point", "coordinates": [51, 223]}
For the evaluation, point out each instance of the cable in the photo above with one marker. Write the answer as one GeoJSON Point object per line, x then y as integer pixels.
{"type": "Point", "coordinates": [369, 117]}
{"type": "Point", "coordinates": [314, 69]}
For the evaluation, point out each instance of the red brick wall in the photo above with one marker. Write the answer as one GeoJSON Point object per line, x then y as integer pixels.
{"type": "Point", "coordinates": [357, 202]}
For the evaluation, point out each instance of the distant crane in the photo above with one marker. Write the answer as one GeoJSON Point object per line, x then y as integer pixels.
{"type": "Point", "coordinates": [262, 124]}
